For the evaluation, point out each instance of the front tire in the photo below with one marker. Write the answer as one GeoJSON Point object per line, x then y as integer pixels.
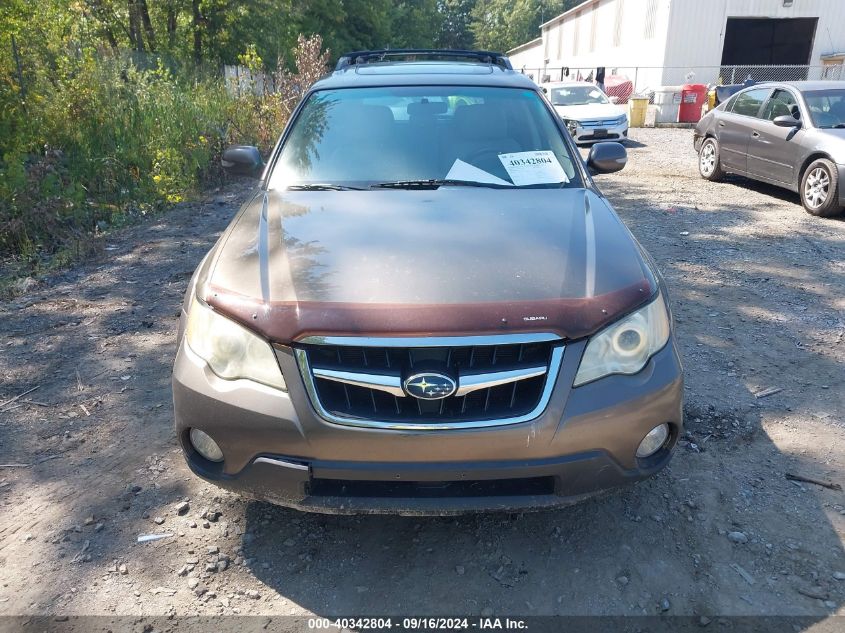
{"type": "Point", "coordinates": [820, 189]}
{"type": "Point", "coordinates": [709, 165]}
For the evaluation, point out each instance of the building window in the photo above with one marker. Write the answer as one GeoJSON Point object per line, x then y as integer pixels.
{"type": "Point", "coordinates": [650, 19]}
{"type": "Point", "coordinates": [617, 27]}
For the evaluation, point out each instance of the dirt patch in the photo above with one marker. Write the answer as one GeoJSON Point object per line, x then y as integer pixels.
{"type": "Point", "coordinates": [757, 285]}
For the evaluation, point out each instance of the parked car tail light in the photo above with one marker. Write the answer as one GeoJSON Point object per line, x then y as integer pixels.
{"type": "Point", "coordinates": [626, 346]}
{"type": "Point", "coordinates": [231, 350]}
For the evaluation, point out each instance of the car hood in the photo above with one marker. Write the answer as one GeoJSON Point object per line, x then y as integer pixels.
{"type": "Point", "coordinates": [833, 133]}
{"type": "Point", "coordinates": [455, 260]}
{"type": "Point", "coordinates": [590, 111]}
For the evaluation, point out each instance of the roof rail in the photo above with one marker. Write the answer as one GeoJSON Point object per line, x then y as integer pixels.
{"type": "Point", "coordinates": [381, 55]}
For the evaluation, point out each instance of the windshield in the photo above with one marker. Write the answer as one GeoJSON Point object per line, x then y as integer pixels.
{"type": "Point", "coordinates": [827, 107]}
{"type": "Point", "coordinates": [577, 95]}
{"type": "Point", "coordinates": [424, 135]}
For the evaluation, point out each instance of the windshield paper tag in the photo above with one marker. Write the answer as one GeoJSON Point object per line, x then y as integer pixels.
{"type": "Point", "coordinates": [464, 171]}
{"type": "Point", "coordinates": [533, 168]}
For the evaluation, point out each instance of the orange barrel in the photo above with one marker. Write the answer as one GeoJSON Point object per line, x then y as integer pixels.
{"type": "Point", "coordinates": [693, 96]}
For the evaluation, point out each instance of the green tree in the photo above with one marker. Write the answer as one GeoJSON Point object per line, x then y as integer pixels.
{"type": "Point", "coordinates": [454, 24]}
{"type": "Point", "coordinates": [414, 24]}
{"type": "Point", "coordinates": [351, 25]}
{"type": "Point", "coordinates": [503, 24]}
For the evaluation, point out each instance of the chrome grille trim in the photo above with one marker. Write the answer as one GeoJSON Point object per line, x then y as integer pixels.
{"type": "Point", "coordinates": [474, 382]}
{"type": "Point", "coordinates": [389, 384]}
{"type": "Point", "coordinates": [392, 384]}
{"type": "Point", "coordinates": [551, 372]}
{"type": "Point", "coordinates": [594, 123]}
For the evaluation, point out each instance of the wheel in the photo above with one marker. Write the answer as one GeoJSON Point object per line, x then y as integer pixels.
{"type": "Point", "coordinates": [820, 189]}
{"type": "Point", "coordinates": [709, 165]}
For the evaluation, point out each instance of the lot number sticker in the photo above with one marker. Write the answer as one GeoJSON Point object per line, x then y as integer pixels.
{"type": "Point", "coordinates": [533, 168]}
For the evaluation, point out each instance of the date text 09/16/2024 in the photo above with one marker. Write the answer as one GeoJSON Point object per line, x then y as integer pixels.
{"type": "Point", "coordinates": [417, 624]}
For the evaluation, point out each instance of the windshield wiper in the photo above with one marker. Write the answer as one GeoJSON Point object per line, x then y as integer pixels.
{"type": "Point", "coordinates": [434, 183]}
{"type": "Point", "coordinates": [322, 187]}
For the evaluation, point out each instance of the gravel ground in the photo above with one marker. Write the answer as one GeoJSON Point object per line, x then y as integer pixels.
{"type": "Point", "coordinates": [90, 461]}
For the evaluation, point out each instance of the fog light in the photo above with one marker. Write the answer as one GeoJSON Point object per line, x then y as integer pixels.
{"type": "Point", "coordinates": [207, 447]}
{"type": "Point", "coordinates": [653, 441]}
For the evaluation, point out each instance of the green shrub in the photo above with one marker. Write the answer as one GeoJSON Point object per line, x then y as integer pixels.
{"type": "Point", "coordinates": [99, 138]}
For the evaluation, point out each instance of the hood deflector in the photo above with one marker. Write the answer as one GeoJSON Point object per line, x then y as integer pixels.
{"type": "Point", "coordinates": [449, 262]}
{"type": "Point", "coordinates": [283, 322]}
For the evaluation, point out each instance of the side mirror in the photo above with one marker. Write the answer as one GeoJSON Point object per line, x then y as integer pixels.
{"type": "Point", "coordinates": [242, 160]}
{"type": "Point", "coordinates": [614, 99]}
{"type": "Point", "coordinates": [787, 120]}
{"type": "Point", "coordinates": [606, 158]}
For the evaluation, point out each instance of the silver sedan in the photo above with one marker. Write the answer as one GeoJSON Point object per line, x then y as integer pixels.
{"type": "Point", "coordinates": [789, 134]}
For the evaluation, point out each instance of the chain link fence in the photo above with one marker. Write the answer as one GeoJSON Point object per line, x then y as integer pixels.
{"type": "Point", "coordinates": [623, 82]}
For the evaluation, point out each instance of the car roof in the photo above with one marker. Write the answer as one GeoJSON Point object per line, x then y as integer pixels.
{"type": "Point", "coordinates": [555, 84]}
{"type": "Point", "coordinates": [424, 73]}
{"type": "Point", "coordinates": [803, 86]}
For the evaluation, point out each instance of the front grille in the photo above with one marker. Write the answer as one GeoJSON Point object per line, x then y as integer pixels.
{"type": "Point", "coordinates": [361, 403]}
{"type": "Point", "coordinates": [525, 486]}
{"type": "Point", "coordinates": [602, 123]}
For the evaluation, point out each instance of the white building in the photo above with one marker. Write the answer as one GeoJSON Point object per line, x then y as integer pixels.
{"type": "Point", "coordinates": [659, 42]}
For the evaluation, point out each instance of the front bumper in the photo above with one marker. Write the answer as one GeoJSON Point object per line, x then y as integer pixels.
{"type": "Point", "coordinates": [592, 134]}
{"type": "Point", "coordinates": [278, 449]}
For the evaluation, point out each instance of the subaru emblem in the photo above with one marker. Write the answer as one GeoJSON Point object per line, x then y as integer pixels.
{"type": "Point", "coordinates": [429, 386]}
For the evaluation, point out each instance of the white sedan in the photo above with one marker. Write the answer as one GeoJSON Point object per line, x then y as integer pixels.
{"type": "Point", "coordinates": [587, 111]}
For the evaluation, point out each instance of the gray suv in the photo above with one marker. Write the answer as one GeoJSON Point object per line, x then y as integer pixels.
{"type": "Point", "coordinates": [427, 306]}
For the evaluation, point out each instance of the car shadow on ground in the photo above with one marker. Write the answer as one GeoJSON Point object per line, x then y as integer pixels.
{"type": "Point", "coordinates": [773, 191]}
{"type": "Point", "coordinates": [661, 547]}
{"type": "Point", "coordinates": [633, 143]}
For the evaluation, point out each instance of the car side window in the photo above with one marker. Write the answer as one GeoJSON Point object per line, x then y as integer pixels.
{"type": "Point", "coordinates": [748, 103]}
{"type": "Point", "coordinates": [781, 103]}
{"type": "Point", "coordinates": [729, 105]}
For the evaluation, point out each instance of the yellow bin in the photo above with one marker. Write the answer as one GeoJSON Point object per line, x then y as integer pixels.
{"type": "Point", "coordinates": [638, 107]}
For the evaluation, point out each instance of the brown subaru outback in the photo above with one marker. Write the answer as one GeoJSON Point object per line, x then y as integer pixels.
{"type": "Point", "coordinates": [426, 306]}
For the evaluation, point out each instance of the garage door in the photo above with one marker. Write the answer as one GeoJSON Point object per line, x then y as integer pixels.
{"type": "Point", "coordinates": [763, 41]}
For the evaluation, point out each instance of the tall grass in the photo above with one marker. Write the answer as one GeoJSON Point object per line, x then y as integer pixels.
{"type": "Point", "coordinates": [99, 138]}
{"type": "Point", "coordinates": [93, 142]}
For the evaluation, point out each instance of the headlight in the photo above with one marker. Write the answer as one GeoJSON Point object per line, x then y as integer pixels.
{"type": "Point", "coordinates": [231, 350]}
{"type": "Point", "coordinates": [571, 125]}
{"type": "Point", "coordinates": [626, 346]}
